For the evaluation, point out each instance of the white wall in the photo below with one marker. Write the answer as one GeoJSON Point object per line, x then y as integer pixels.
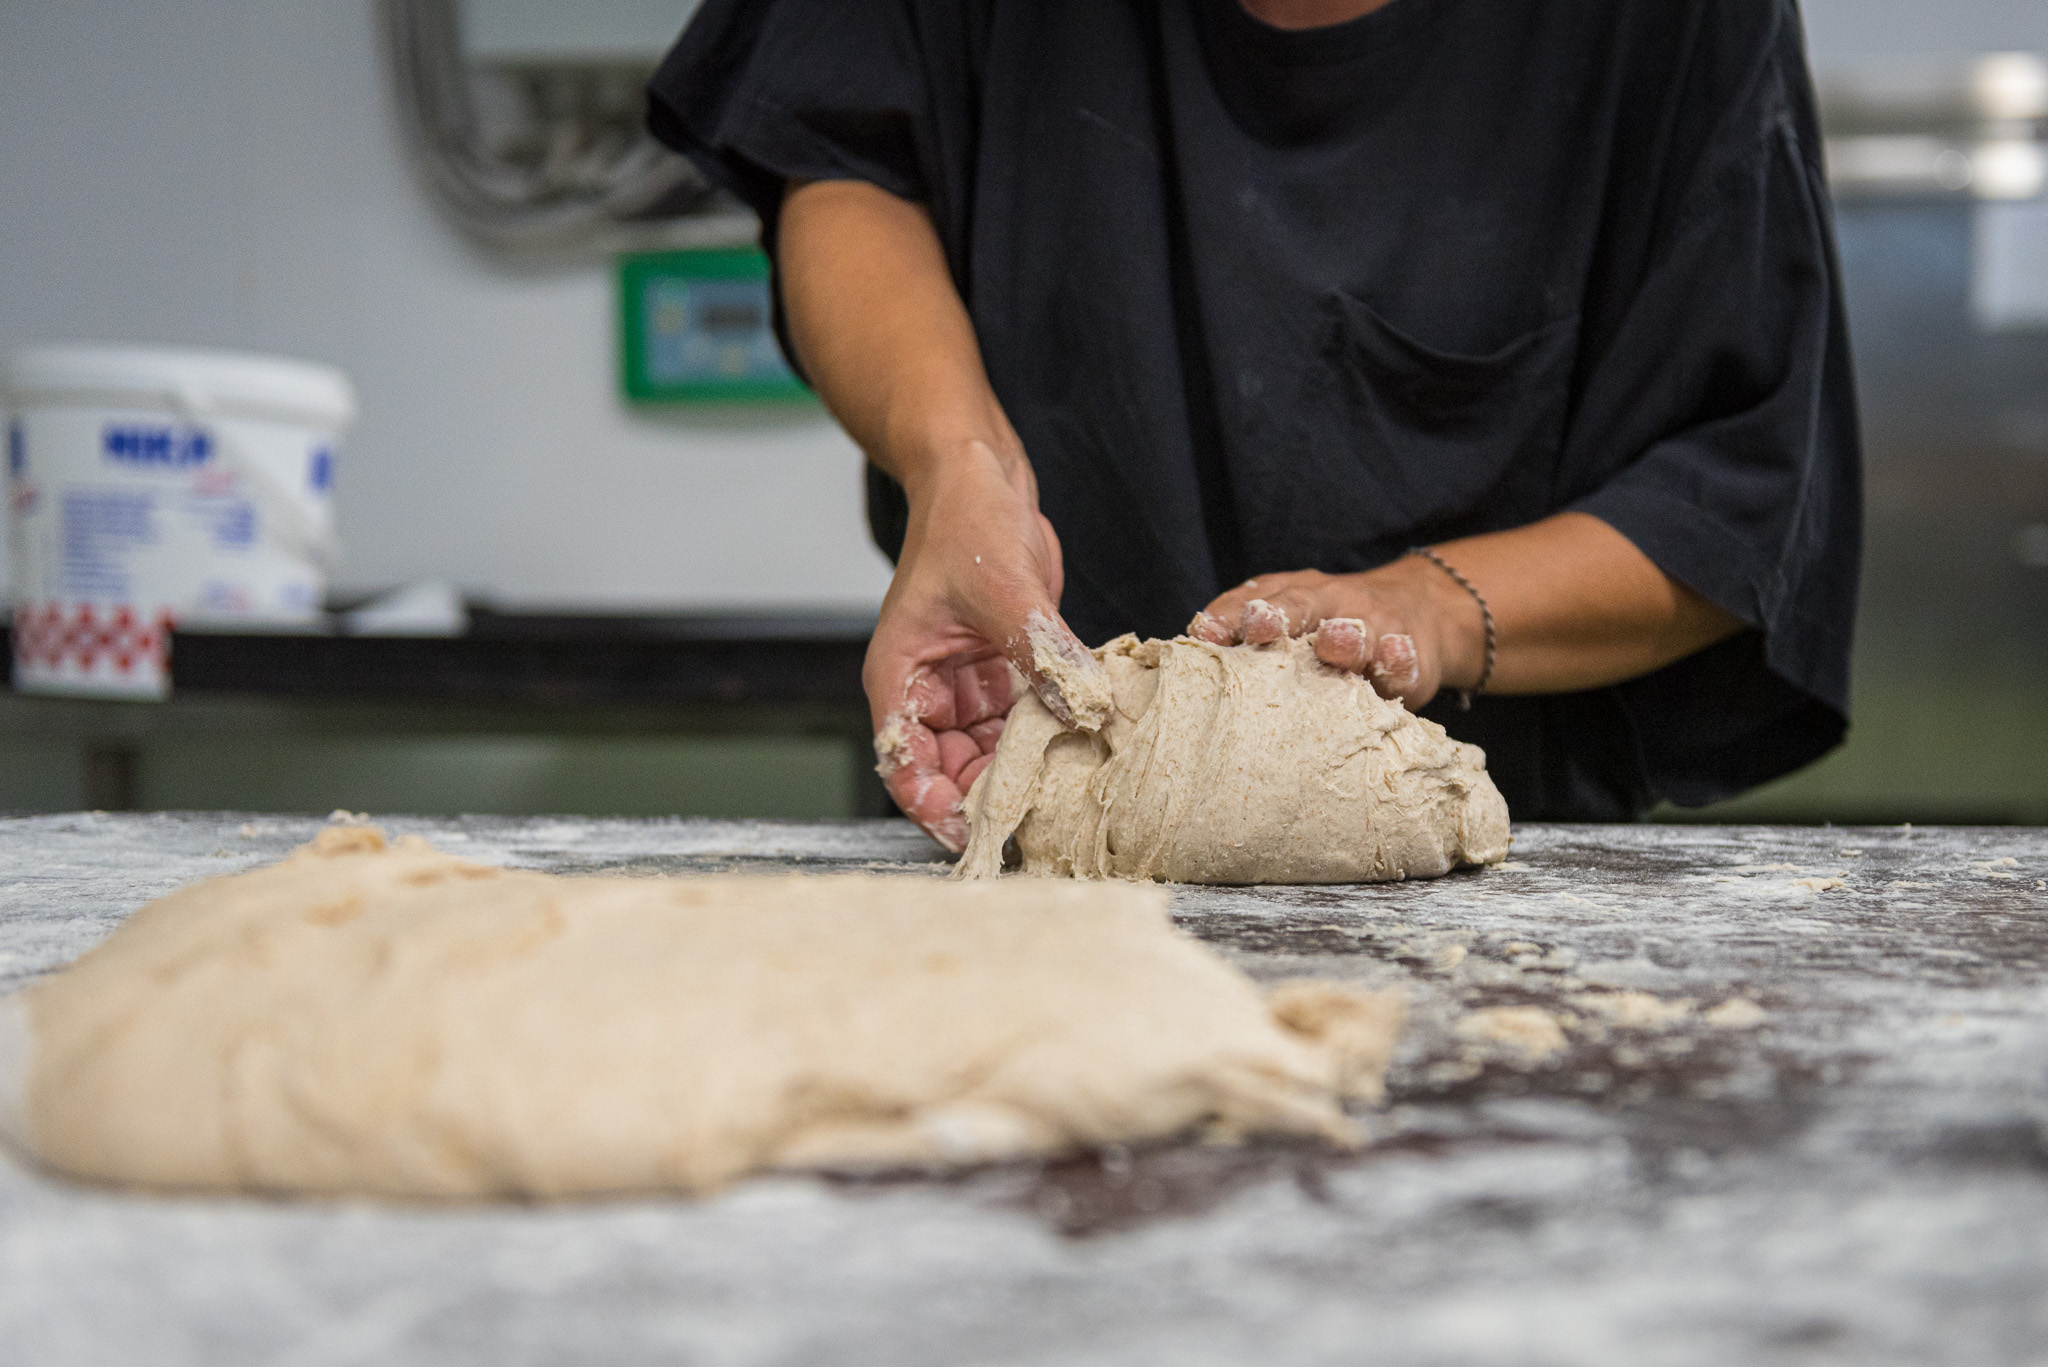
{"type": "Point", "coordinates": [228, 172]}
{"type": "Point", "coordinates": [1840, 30]}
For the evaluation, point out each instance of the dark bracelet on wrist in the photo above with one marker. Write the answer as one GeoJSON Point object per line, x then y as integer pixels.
{"type": "Point", "coordinates": [1485, 614]}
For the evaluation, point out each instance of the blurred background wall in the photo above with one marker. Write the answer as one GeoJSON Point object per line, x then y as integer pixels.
{"type": "Point", "coordinates": [1839, 30]}
{"type": "Point", "coordinates": [231, 173]}
{"type": "Point", "coordinates": [1948, 302]}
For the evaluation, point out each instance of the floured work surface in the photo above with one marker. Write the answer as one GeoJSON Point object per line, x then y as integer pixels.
{"type": "Point", "coordinates": [364, 1020]}
{"type": "Point", "coordinates": [1233, 764]}
{"type": "Point", "coordinates": [1851, 1170]}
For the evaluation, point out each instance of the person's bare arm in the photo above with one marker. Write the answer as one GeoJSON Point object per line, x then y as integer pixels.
{"type": "Point", "coordinates": [888, 345]}
{"type": "Point", "coordinates": [882, 331]}
{"type": "Point", "coordinates": [1575, 606]}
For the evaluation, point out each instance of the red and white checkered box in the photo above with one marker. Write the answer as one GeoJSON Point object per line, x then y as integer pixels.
{"type": "Point", "coordinates": [99, 650]}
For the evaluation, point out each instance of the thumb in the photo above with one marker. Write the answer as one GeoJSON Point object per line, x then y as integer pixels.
{"type": "Point", "coordinates": [1067, 677]}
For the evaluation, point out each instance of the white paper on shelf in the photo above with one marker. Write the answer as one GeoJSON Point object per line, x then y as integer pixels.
{"type": "Point", "coordinates": [431, 607]}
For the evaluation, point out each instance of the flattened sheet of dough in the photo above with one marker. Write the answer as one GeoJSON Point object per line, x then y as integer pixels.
{"type": "Point", "coordinates": [397, 1022]}
{"type": "Point", "coordinates": [1238, 764]}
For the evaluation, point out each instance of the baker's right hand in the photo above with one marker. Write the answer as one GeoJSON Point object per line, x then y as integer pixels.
{"type": "Point", "coordinates": [978, 582]}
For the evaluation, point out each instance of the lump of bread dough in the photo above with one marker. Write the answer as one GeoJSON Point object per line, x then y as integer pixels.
{"type": "Point", "coordinates": [1237, 764]}
{"type": "Point", "coordinates": [396, 1022]}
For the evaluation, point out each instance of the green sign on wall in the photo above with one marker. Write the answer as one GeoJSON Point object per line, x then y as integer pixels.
{"type": "Point", "coordinates": [697, 326]}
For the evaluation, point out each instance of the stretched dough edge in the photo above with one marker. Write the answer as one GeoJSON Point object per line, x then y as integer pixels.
{"type": "Point", "coordinates": [17, 1043]}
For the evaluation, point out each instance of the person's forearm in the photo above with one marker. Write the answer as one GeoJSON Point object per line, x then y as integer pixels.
{"type": "Point", "coordinates": [1575, 604]}
{"type": "Point", "coordinates": [881, 329]}
{"type": "Point", "coordinates": [974, 602]}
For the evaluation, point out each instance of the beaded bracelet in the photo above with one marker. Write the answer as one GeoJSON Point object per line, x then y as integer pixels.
{"type": "Point", "coordinates": [1485, 613]}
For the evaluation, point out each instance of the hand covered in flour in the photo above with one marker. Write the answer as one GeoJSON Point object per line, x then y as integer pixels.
{"type": "Point", "coordinates": [976, 591]}
{"type": "Point", "coordinates": [1406, 626]}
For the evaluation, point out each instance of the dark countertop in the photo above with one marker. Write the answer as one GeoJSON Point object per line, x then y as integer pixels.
{"type": "Point", "coordinates": [562, 674]}
{"type": "Point", "coordinates": [1860, 1176]}
{"type": "Point", "coordinates": [546, 660]}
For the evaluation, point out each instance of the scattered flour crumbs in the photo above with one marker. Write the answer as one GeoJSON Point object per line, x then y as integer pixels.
{"type": "Point", "coordinates": [1528, 1037]}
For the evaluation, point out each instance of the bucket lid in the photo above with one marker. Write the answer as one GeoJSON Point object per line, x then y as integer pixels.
{"type": "Point", "coordinates": [212, 381]}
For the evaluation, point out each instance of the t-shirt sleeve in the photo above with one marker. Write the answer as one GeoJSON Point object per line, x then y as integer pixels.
{"type": "Point", "coordinates": [761, 92]}
{"type": "Point", "coordinates": [758, 93]}
{"type": "Point", "coordinates": [1724, 385]}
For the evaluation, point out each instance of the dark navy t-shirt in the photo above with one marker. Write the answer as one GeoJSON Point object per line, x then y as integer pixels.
{"type": "Point", "coordinates": [1260, 300]}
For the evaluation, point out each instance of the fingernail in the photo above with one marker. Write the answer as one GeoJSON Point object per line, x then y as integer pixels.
{"type": "Point", "coordinates": [1055, 702]}
{"type": "Point", "coordinates": [1396, 660]}
{"type": "Point", "coordinates": [1343, 637]}
{"type": "Point", "coordinates": [1263, 622]}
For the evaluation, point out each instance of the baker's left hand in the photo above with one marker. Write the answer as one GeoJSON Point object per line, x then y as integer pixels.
{"type": "Point", "coordinates": [1406, 626]}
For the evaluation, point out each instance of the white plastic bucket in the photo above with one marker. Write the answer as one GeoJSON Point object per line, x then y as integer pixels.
{"type": "Point", "coordinates": [153, 486]}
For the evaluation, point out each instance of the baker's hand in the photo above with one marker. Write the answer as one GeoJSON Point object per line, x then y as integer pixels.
{"type": "Point", "coordinates": [977, 589]}
{"type": "Point", "coordinates": [1406, 626]}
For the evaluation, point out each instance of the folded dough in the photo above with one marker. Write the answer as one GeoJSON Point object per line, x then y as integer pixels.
{"type": "Point", "coordinates": [1237, 764]}
{"type": "Point", "coordinates": [396, 1022]}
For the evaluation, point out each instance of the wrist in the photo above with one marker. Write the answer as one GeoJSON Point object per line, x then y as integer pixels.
{"type": "Point", "coordinates": [927, 441]}
{"type": "Point", "coordinates": [968, 461]}
{"type": "Point", "coordinates": [1459, 621]}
